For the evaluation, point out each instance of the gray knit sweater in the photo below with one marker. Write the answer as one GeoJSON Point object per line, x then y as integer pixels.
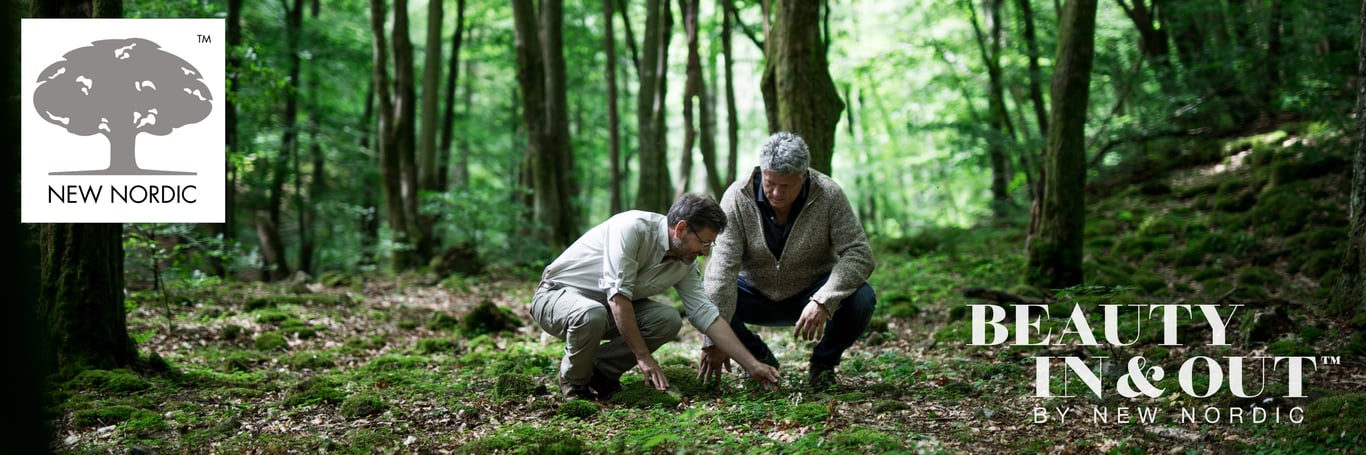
{"type": "Point", "coordinates": [826, 238]}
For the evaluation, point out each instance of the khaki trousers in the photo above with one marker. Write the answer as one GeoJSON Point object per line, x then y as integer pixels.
{"type": "Point", "coordinates": [584, 323]}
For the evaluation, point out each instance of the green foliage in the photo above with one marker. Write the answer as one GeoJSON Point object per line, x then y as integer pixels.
{"type": "Point", "coordinates": [810, 413]}
{"type": "Point", "coordinates": [361, 405]}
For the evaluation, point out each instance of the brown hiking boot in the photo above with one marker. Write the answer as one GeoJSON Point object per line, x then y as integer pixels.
{"type": "Point", "coordinates": [602, 385]}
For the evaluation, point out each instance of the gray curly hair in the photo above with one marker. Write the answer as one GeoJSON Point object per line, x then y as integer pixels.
{"type": "Point", "coordinates": [784, 153]}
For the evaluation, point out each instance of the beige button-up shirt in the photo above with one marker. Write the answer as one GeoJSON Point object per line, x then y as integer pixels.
{"type": "Point", "coordinates": [625, 255]}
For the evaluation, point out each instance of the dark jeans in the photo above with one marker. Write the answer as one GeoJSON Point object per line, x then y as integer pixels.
{"type": "Point", "coordinates": [844, 328]}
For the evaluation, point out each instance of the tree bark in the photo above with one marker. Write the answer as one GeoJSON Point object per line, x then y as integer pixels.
{"type": "Point", "coordinates": [459, 175]}
{"type": "Point", "coordinates": [696, 114]}
{"type": "Point", "coordinates": [653, 190]}
{"type": "Point", "coordinates": [560, 149]}
{"type": "Point", "coordinates": [388, 137]}
{"type": "Point", "coordinates": [732, 122]}
{"type": "Point", "coordinates": [799, 95]}
{"type": "Point", "coordinates": [1001, 129]}
{"type": "Point", "coordinates": [1054, 258]}
{"type": "Point", "coordinates": [431, 84]}
{"type": "Point", "coordinates": [277, 267]}
{"type": "Point", "coordinates": [1349, 297]}
{"type": "Point", "coordinates": [613, 117]}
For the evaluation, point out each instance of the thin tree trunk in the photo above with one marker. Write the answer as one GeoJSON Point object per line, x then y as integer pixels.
{"type": "Point", "coordinates": [990, 47]}
{"type": "Point", "coordinates": [630, 36]}
{"type": "Point", "coordinates": [1054, 258]}
{"type": "Point", "coordinates": [405, 132]}
{"type": "Point", "coordinates": [799, 95]}
{"type": "Point", "coordinates": [732, 120]}
{"type": "Point", "coordinates": [228, 230]}
{"type": "Point", "coordinates": [653, 190]}
{"type": "Point", "coordinates": [317, 184]}
{"type": "Point", "coordinates": [1035, 72]}
{"type": "Point", "coordinates": [613, 118]}
{"type": "Point", "coordinates": [460, 172]}
{"type": "Point", "coordinates": [269, 233]}
{"type": "Point", "coordinates": [707, 141]}
{"type": "Point", "coordinates": [431, 83]}
{"type": "Point", "coordinates": [369, 222]}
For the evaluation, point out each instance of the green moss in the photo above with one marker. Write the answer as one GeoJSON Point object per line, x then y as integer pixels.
{"type": "Point", "coordinates": [487, 318]}
{"type": "Point", "coordinates": [903, 310]}
{"type": "Point", "coordinates": [437, 345]}
{"type": "Point", "coordinates": [1258, 276]}
{"type": "Point", "coordinates": [886, 406]}
{"type": "Point", "coordinates": [273, 315]}
{"type": "Point", "coordinates": [578, 409]}
{"type": "Point", "coordinates": [810, 413]}
{"type": "Point", "coordinates": [1319, 238]}
{"type": "Point", "coordinates": [116, 382]}
{"type": "Point", "coordinates": [639, 395]}
{"type": "Point", "coordinates": [1236, 202]}
{"type": "Point", "coordinates": [313, 391]}
{"type": "Point", "coordinates": [442, 321]}
{"type": "Point", "coordinates": [310, 360]}
{"type": "Point", "coordinates": [363, 405]}
{"type": "Point", "coordinates": [527, 439]}
{"type": "Point", "coordinates": [1287, 348]}
{"type": "Point", "coordinates": [1334, 420]}
{"type": "Point", "coordinates": [271, 341]}
{"type": "Point", "coordinates": [231, 332]}
{"type": "Point", "coordinates": [110, 415]}
{"type": "Point", "coordinates": [955, 332]}
{"type": "Point", "coordinates": [512, 387]}
{"type": "Point", "coordinates": [1136, 247]}
{"type": "Point", "coordinates": [1281, 212]}
{"type": "Point", "coordinates": [878, 324]}
{"type": "Point", "coordinates": [1101, 227]}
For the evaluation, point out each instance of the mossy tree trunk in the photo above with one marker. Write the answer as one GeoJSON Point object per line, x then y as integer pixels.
{"type": "Point", "coordinates": [799, 95]}
{"type": "Point", "coordinates": [1054, 257]}
{"type": "Point", "coordinates": [80, 303]}
{"type": "Point", "coordinates": [1350, 296]}
{"type": "Point", "coordinates": [652, 192]}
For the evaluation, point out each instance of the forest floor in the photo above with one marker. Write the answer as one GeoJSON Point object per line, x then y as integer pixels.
{"type": "Point", "coordinates": [414, 364]}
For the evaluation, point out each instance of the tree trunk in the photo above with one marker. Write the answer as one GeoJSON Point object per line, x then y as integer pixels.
{"type": "Point", "coordinates": [653, 190]}
{"type": "Point", "coordinates": [559, 150]}
{"type": "Point", "coordinates": [405, 131]}
{"type": "Point", "coordinates": [1349, 297]}
{"type": "Point", "coordinates": [82, 295]}
{"type": "Point", "coordinates": [531, 78]}
{"type": "Point", "coordinates": [990, 47]}
{"type": "Point", "coordinates": [693, 91]}
{"type": "Point", "coordinates": [431, 84]}
{"type": "Point", "coordinates": [460, 172]}
{"type": "Point", "coordinates": [1152, 40]}
{"type": "Point", "coordinates": [391, 168]}
{"type": "Point", "coordinates": [613, 117]}
{"type": "Point", "coordinates": [228, 229]}
{"type": "Point", "coordinates": [799, 95]}
{"type": "Point", "coordinates": [707, 142]}
{"type": "Point", "coordinates": [277, 268]}
{"type": "Point", "coordinates": [317, 183]}
{"type": "Point", "coordinates": [369, 222]}
{"type": "Point", "coordinates": [728, 60]}
{"type": "Point", "coordinates": [1035, 72]}
{"type": "Point", "coordinates": [1054, 258]}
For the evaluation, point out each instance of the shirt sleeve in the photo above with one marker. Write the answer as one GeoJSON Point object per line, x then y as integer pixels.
{"type": "Point", "coordinates": [622, 239]}
{"type": "Point", "coordinates": [701, 312]}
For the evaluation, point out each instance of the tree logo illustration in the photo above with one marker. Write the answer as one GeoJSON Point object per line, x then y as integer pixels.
{"type": "Point", "coordinates": [122, 88]}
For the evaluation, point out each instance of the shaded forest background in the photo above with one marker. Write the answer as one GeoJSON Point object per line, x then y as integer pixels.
{"type": "Point", "coordinates": [428, 140]}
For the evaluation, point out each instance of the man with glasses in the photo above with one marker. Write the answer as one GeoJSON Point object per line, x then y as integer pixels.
{"type": "Point", "coordinates": [795, 255]}
{"type": "Point", "coordinates": [598, 289]}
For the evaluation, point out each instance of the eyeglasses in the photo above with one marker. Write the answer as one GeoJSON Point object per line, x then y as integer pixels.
{"type": "Point", "coordinates": [705, 245]}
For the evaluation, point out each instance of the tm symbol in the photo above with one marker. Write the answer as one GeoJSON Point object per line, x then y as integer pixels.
{"type": "Point", "coordinates": [205, 39]}
{"type": "Point", "coordinates": [1330, 360]}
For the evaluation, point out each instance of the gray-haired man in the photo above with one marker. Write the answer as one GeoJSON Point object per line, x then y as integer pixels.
{"type": "Point", "coordinates": [794, 255]}
{"type": "Point", "coordinates": [599, 289]}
